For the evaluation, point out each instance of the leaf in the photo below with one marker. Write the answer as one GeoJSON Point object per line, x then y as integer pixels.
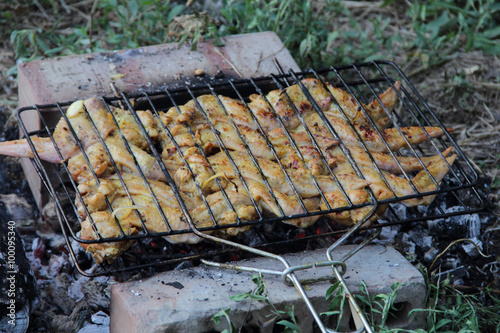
{"type": "Point", "coordinates": [53, 51]}
{"type": "Point", "coordinates": [435, 25]}
{"type": "Point", "coordinates": [239, 297]}
{"type": "Point", "coordinates": [175, 12]}
{"type": "Point", "coordinates": [222, 313]}
{"type": "Point", "coordinates": [332, 289]}
{"type": "Point", "coordinates": [289, 325]}
{"type": "Point", "coordinates": [133, 8]}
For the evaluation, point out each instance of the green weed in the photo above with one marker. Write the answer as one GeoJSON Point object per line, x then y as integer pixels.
{"type": "Point", "coordinates": [450, 310]}
{"type": "Point", "coordinates": [377, 309]}
{"type": "Point", "coordinates": [259, 293]}
{"type": "Point", "coordinates": [443, 27]}
{"type": "Point", "coordinates": [112, 25]}
{"type": "Point", "coordinates": [316, 33]}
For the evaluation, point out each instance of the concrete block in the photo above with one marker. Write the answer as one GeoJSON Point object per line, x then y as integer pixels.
{"type": "Point", "coordinates": [186, 300]}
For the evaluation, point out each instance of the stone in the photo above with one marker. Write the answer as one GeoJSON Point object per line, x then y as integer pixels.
{"type": "Point", "coordinates": [186, 300]}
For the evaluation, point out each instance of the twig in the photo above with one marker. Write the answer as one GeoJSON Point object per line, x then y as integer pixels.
{"type": "Point", "coordinates": [453, 243]}
{"type": "Point", "coordinates": [216, 49]}
{"type": "Point", "coordinates": [42, 10]}
{"type": "Point", "coordinates": [469, 288]}
{"type": "Point", "coordinates": [65, 6]}
{"type": "Point", "coordinates": [91, 19]}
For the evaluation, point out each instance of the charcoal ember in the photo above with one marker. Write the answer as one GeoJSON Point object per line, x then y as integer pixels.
{"type": "Point", "coordinates": [456, 227]}
{"type": "Point", "coordinates": [387, 235]}
{"type": "Point", "coordinates": [18, 288]}
{"type": "Point", "coordinates": [50, 217]}
{"type": "Point", "coordinates": [54, 291]}
{"type": "Point", "coordinates": [96, 291]}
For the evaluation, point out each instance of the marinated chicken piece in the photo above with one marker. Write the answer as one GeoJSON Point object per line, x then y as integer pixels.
{"type": "Point", "coordinates": [386, 186]}
{"type": "Point", "coordinates": [378, 112]}
{"type": "Point", "coordinates": [301, 178]}
{"type": "Point", "coordinates": [385, 161]}
{"type": "Point", "coordinates": [63, 137]}
{"type": "Point", "coordinates": [132, 131]}
{"type": "Point", "coordinates": [338, 102]}
{"type": "Point", "coordinates": [284, 192]}
{"type": "Point", "coordinates": [85, 132]}
{"type": "Point", "coordinates": [107, 227]}
{"type": "Point", "coordinates": [101, 162]}
{"type": "Point", "coordinates": [337, 200]}
{"type": "Point", "coordinates": [247, 128]}
{"type": "Point", "coordinates": [307, 155]}
{"type": "Point", "coordinates": [264, 113]}
{"type": "Point", "coordinates": [240, 210]}
{"type": "Point", "coordinates": [423, 181]}
{"type": "Point", "coordinates": [229, 133]}
{"type": "Point", "coordinates": [94, 193]}
{"type": "Point", "coordinates": [275, 203]}
{"type": "Point", "coordinates": [373, 141]}
{"type": "Point", "coordinates": [140, 212]}
{"type": "Point", "coordinates": [292, 102]}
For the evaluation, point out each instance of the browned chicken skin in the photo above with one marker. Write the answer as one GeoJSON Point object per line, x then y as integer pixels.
{"type": "Point", "coordinates": [275, 156]}
{"type": "Point", "coordinates": [140, 212]}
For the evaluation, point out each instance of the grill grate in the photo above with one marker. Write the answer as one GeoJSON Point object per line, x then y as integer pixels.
{"type": "Point", "coordinates": [365, 82]}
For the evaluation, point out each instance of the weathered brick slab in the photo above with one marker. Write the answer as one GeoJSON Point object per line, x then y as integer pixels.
{"type": "Point", "coordinates": [186, 300]}
{"type": "Point", "coordinates": [63, 79]}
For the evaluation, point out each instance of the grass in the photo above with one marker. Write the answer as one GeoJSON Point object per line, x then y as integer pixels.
{"type": "Point", "coordinates": [449, 310]}
{"type": "Point", "coordinates": [286, 319]}
{"type": "Point", "coordinates": [316, 33]}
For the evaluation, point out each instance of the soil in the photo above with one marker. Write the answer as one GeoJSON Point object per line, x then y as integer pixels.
{"type": "Point", "coordinates": [464, 92]}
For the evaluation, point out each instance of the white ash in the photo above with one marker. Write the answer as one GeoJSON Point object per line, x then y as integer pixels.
{"type": "Point", "coordinates": [472, 248]}
{"type": "Point", "coordinates": [19, 210]}
{"type": "Point", "coordinates": [430, 254]}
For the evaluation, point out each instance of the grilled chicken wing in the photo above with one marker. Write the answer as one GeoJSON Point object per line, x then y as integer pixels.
{"type": "Point", "coordinates": [302, 184]}
{"type": "Point", "coordinates": [63, 136]}
{"type": "Point", "coordinates": [276, 203]}
{"type": "Point", "coordinates": [301, 179]}
{"type": "Point", "coordinates": [338, 102]}
{"type": "Point", "coordinates": [107, 227]}
{"type": "Point", "coordinates": [385, 185]}
{"type": "Point", "coordinates": [131, 129]}
{"type": "Point", "coordinates": [132, 206]}
{"type": "Point", "coordinates": [292, 103]}
{"type": "Point", "coordinates": [389, 139]}
{"type": "Point", "coordinates": [101, 162]}
{"type": "Point", "coordinates": [395, 165]}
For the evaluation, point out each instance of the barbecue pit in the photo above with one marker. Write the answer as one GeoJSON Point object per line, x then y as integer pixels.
{"type": "Point", "coordinates": [364, 81]}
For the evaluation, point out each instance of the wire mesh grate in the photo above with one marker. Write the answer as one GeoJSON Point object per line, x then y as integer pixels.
{"type": "Point", "coordinates": [222, 167]}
